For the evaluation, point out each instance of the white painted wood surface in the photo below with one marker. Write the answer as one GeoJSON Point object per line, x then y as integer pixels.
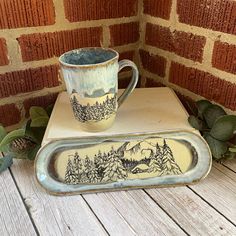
{"type": "Point", "coordinates": [54, 215]}
{"type": "Point", "coordinates": [231, 164]}
{"type": "Point", "coordinates": [138, 211]}
{"type": "Point", "coordinates": [207, 208]}
{"type": "Point", "coordinates": [14, 219]}
{"type": "Point", "coordinates": [219, 189]}
{"type": "Point", "coordinates": [191, 212]}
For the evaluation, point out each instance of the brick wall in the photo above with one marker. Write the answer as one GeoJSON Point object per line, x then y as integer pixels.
{"type": "Point", "coordinates": [190, 45]}
{"type": "Point", "coordinates": [34, 33]}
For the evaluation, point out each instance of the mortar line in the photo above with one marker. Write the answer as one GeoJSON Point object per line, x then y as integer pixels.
{"type": "Point", "coordinates": [17, 32]}
{"type": "Point", "coordinates": [189, 63]}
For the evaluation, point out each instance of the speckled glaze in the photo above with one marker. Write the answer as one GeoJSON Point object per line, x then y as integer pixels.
{"type": "Point", "coordinates": [91, 78]}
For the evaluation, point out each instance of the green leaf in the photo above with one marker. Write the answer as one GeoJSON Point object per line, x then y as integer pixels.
{"type": "Point", "coordinates": [19, 133]}
{"type": "Point", "coordinates": [229, 155]}
{"type": "Point", "coordinates": [36, 112]}
{"type": "Point", "coordinates": [212, 113]}
{"type": "Point", "coordinates": [233, 149]}
{"type": "Point", "coordinates": [40, 122]}
{"type": "Point", "coordinates": [35, 133]}
{"type": "Point", "coordinates": [202, 105]}
{"type": "Point", "coordinates": [3, 132]}
{"type": "Point", "coordinates": [218, 148]}
{"type": "Point", "coordinates": [32, 153]}
{"type": "Point", "coordinates": [195, 122]}
{"type": "Point", "coordinates": [224, 127]}
{"type": "Point", "coordinates": [5, 162]}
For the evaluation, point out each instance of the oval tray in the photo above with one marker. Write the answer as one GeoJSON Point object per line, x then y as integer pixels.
{"type": "Point", "coordinates": [81, 165]}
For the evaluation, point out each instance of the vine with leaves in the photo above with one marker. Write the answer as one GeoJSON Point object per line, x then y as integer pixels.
{"type": "Point", "coordinates": [25, 142]}
{"type": "Point", "coordinates": [216, 127]}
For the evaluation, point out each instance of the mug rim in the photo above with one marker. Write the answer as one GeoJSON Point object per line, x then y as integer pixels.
{"type": "Point", "coordinates": [90, 65]}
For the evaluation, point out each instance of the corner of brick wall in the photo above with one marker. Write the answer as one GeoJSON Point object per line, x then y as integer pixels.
{"type": "Point", "coordinates": [197, 40]}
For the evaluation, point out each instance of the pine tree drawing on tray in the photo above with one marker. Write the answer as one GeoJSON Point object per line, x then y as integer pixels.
{"type": "Point", "coordinates": [87, 166]}
{"type": "Point", "coordinates": [99, 161]}
{"type": "Point", "coordinates": [169, 166]}
{"type": "Point", "coordinates": [157, 160]}
{"type": "Point", "coordinates": [125, 162]}
{"type": "Point", "coordinates": [93, 175]}
{"type": "Point", "coordinates": [114, 169]}
{"type": "Point", "coordinates": [77, 163]}
{"type": "Point", "coordinates": [70, 177]}
{"type": "Point", "coordinates": [94, 112]}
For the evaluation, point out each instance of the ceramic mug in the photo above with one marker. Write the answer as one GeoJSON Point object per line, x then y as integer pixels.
{"type": "Point", "coordinates": [91, 78]}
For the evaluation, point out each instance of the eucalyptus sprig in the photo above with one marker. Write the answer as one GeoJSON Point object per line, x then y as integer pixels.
{"type": "Point", "coordinates": [217, 128]}
{"type": "Point", "coordinates": [25, 142]}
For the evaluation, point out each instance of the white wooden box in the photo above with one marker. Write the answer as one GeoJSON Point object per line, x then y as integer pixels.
{"type": "Point", "coordinates": [150, 144]}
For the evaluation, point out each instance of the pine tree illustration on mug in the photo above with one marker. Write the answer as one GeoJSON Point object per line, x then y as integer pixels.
{"type": "Point", "coordinates": [95, 112]}
{"type": "Point", "coordinates": [116, 165]}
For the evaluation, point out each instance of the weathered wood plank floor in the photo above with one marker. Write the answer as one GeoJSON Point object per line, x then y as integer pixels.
{"type": "Point", "coordinates": [207, 208]}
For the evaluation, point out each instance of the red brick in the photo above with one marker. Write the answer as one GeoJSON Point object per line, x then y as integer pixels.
{"type": "Point", "coordinates": [23, 81]}
{"type": "Point", "coordinates": [183, 44]}
{"type": "Point", "coordinates": [224, 57]}
{"type": "Point", "coordinates": [124, 82]}
{"type": "Point", "coordinates": [3, 53]}
{"type": "Point", "coordinates": [43, 101]}
{"type": "Point", "coordinates": [9, 115]}
{"type": "Point", "coordinates": [40, 46]}
{"type": "Point", "coordinates": [124, 33]}
{"type": "Point", "coordinates": [150, 83]}
{"type": "Point", "coordinates": [82, 10]}
{"type": "Point", "coordinates": [153, 63]}
{"type": "Point", "coordinates": [127, 55]}
{"type": "Point", "coordinates": [160, 8]}
{"type": "Point", "coordinates": [212, 14]}
{"type": "Point", "coordinates": [204, 84]}
{"type": "Point", "coordinates": [26, 13]}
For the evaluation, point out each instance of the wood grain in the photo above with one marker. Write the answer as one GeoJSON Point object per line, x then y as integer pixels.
{"type": "Point", "coordinates": [109, 215]}
{"type": "Point", "coordinates": [231, 164]}
{"type": "Point", "coordinates": [69, 215]}
{"type": "Point", "coordinates": [191, 212]}
{"type": "Point", "coordinates": [207, 208]}
{"type": "Point", "coordinates": [14, 218]}
{"type": "Point", "coordinates": [135, 212]}
{"type": "Point", "coordinates": [219, 189]}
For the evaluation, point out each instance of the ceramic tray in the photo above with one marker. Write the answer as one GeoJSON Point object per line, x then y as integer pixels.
{"type": "Point", "coordinates": [93, 164]}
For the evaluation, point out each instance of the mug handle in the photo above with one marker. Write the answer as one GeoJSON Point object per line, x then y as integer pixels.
{"type": "Point", "coordinates": [133, 82]}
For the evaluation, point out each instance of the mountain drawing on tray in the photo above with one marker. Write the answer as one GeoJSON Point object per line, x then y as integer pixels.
{"type": "Point", "coordinates": [145, 159]}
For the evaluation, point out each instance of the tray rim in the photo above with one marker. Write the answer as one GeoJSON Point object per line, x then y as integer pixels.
{"type": "Point", "coordinates": [121, 137]}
